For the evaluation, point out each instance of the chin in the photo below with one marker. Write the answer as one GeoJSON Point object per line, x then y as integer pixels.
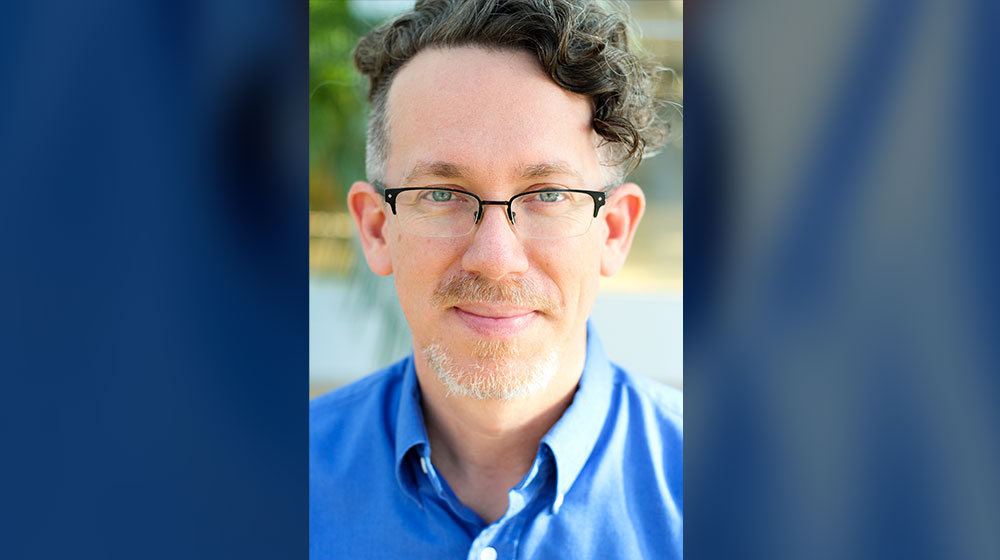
{"type": "Point", "coordinates": [494, 371]}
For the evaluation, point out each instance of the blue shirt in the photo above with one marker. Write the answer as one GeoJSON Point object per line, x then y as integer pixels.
{"type": "Point", "coordinates": [606, 482]}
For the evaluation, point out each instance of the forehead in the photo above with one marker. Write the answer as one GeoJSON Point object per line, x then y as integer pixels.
{"type": "Point", "coordinates": [491, 113]}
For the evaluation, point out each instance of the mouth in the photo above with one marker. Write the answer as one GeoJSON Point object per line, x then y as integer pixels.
{"type": "Point", "coordinates": [495, 321]}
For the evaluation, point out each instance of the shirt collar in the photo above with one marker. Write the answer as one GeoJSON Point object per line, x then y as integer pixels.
{"type": "Point", "coordinates": [571, 439]}
{"type": "Point", "coordinates": [410, 430]}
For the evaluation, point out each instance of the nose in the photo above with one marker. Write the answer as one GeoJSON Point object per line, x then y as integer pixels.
{"type": "Point", "coordinates": [495, 250]}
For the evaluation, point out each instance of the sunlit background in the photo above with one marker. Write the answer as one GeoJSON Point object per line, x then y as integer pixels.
{"type": "Point", "coordinates": [355, 324]}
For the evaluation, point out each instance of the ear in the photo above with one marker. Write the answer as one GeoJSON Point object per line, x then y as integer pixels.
{"type": "Point", "coordinates": [368, 210]}
{"type": "Point", "coordinates": [621, 216]}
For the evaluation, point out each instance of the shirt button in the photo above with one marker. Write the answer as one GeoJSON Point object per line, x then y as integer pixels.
{"type": "Point", "coordinates": [488, 553]}
{"type": "Point", "coordinates": [557, 504]}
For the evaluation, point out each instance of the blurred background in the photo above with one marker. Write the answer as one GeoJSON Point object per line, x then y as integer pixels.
{"type": "Point", "coordinates": [841, 310]}
{"type": "Point", "coordinates": [355, 324]}
{"type": "Point", "coordinates": [841, 317]}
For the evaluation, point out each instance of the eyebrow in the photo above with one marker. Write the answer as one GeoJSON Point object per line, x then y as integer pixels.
{"type": "Point", "coordinates": [448, 170]}
{"type": "Point", "coordinates": [441, 169]}
{"type": "Point", "coordinates": [548, 168]}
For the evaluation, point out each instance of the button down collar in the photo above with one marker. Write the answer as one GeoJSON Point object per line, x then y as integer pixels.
{"type": "Point", "coordinates": [572, 438]}
{"type": "Point", "coordinates": [410, 431]}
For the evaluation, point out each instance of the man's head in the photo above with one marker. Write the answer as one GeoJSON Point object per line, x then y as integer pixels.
{"type": "Point", "coordinates": [499, 99]}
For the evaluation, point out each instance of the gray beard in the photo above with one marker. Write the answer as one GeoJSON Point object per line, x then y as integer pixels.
{"type": "Point", "coordinates": [496, 373]}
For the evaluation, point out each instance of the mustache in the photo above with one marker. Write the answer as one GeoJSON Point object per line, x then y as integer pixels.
{"type": "Point", "coordinates": [473, 288]}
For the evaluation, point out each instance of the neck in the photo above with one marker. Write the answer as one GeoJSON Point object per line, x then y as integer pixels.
{"type": "Point", "coordinates": [483, 448]}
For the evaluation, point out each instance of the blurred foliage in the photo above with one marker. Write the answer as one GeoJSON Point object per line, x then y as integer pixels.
{"type": "Point", "coordinates": [337, 107]}
{"type": "Point", "coordinates": [338, 113]}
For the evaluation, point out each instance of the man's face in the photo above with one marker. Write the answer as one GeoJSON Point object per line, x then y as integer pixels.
{"type": "Point", "coordinates": [492, 123]}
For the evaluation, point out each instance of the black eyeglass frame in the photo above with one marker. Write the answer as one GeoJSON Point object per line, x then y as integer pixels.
{"type": "Point", "coordinates": [600, 198]}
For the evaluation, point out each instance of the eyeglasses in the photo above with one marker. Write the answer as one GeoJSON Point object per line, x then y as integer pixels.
{"type": "Point", "coordinates": [541, 214]}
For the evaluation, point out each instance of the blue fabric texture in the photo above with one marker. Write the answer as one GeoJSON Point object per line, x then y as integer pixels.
{"type": "Point", "coordinates": [606, 482]}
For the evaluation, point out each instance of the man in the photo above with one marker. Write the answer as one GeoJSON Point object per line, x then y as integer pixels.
{"type": "Point", "coordinates": [499, 139]}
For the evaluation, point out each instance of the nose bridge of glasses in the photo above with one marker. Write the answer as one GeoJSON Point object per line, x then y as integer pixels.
{"type": "Point", "coordinates": [507, 209]}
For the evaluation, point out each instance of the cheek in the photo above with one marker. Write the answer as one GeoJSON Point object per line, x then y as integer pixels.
{"type": "Point", "coordinates": [419, 265]}
{"type": "Point", "coordinates": [574, 268]}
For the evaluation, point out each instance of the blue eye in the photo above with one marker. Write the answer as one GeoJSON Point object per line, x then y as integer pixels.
{"type": "Point", "coordinates": [550, 196]}
{"type": "Point", "coordinates": [441, 196]}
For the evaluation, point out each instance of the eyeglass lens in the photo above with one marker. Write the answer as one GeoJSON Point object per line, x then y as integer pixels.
{"type": "Point", "coordinates": [537, 215]}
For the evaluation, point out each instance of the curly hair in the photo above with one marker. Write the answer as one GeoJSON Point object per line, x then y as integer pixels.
{"type": "Point", "coordinates": [583, 45]}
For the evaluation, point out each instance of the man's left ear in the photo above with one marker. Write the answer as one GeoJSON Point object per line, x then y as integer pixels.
{"type": "Point", "coordinates": [621, 215]}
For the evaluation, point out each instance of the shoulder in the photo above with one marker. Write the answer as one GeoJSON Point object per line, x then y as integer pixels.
{"type": "Point", "coordinates": [658, 402]}
{"type": "Point", "coordinates": [654, 415]}
{"type": "Point", "coordinates": [356, 408]}
{"type": "Point", "coordinates": [351, 465]}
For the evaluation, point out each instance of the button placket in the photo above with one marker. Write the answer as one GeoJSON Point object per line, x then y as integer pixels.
{"type": "Point", "coordinates": [484, 541]}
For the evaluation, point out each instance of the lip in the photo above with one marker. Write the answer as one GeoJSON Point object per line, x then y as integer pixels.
{"type": "Point", "coordinates": [495, 321]}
